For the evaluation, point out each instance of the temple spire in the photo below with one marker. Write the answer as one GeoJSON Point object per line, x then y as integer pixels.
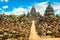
{"type": "Point", "coordinates": [33, 9]}
{"type": "Point", "coordinates": [49, 10]}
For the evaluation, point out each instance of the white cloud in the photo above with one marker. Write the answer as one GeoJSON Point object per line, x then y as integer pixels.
{"type": "Point", "coordinates": [6, 0]}
{"type": "Point", "coordinates": [0, 8]}
{"type": "Point", "coordinates": [5, 7]}
{"type": "Point", "coordinates": [38, 6]}
{"type": "Point", "coordinates": [3, 0]}
{"type": "Point", "coordinates": [18, 11]}
{"type": "Point", "coordinates": [7, 13]}
{"type": "Point", "coordinates": [41, 7]}
{"type": "Point", "coordinates": [56, 7]}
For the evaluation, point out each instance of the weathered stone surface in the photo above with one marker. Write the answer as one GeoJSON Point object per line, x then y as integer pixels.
{"type": "Point", "coordinates": [20, 27]}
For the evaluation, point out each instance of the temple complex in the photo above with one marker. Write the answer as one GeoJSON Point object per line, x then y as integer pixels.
{"type": "Point", "coordinates": [19, 28]}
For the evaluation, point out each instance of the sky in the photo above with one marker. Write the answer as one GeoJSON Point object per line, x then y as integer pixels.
{"type": "Point", "coordinates": [23, 6]}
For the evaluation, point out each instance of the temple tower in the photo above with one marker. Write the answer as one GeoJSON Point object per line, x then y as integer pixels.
{"type": "Point", "coordinates": [49, 11]}
{"type": "Point", "coordinates": [32, 15]}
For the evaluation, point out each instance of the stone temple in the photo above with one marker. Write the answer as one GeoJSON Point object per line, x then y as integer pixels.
{"type": "Point", "coordinates": [33, 14]}
{"type": "Point", "coordinates": [49, 11]}
{"type": "Point", "coordinates": [19, 28]}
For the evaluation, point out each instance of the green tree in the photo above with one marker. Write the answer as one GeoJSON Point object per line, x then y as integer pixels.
{"type": "Point", "coordinates": [13, 16]}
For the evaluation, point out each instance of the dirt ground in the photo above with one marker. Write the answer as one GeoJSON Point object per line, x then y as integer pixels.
{"type": "Point", "coordinates": [50, 38]}
{"type": "Point", "coordinates": [46, 39]}
{"type": "Point", "coordinates": [34, 36]}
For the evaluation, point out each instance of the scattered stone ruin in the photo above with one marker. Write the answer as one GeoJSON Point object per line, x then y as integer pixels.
{"type": "Point", "coordinates": [19, 28]}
